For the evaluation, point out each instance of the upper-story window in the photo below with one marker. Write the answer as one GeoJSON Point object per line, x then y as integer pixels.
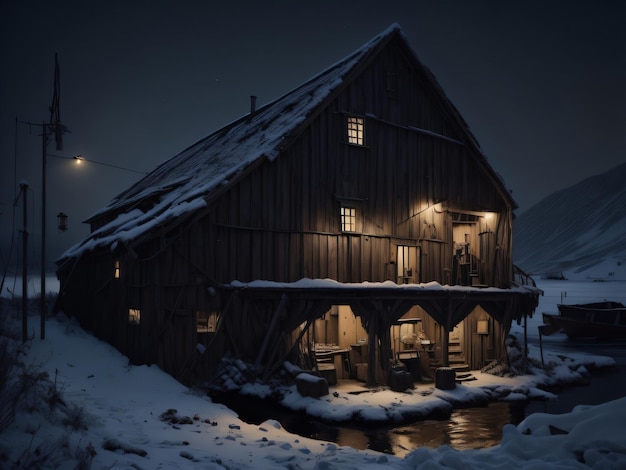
{"type": "Point", "coordinates": [348, 219]}
{"type": "Point", "coordinates": [356, 130]}
{"type": "Point", "coordinates": [116, 269]}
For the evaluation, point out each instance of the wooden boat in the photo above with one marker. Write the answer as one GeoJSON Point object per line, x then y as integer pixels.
{"type": "Point", "coordinates": [600, 320]}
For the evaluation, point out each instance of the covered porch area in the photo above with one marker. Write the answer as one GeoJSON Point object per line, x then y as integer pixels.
{"type": "Point", "coordinates": [360, 331]}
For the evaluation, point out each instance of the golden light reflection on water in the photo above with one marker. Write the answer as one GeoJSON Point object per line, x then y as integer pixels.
{"type": "Point", "coordinates": [472, 428]}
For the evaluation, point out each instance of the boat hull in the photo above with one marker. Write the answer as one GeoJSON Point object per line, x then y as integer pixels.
{"type": "Point", "coordinates": [599, 320]}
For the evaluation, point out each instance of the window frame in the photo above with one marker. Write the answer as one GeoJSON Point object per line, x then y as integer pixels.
{"type": "Point", "coordinates": [355, 130]}
{"type": "Point", "coordinates": [206, 321]}
{"type": "Point", "coordinates": [347, 221]}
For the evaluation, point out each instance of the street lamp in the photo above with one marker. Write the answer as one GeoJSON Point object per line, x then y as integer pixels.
{"type": "Point", "coordinates": [80, 159]}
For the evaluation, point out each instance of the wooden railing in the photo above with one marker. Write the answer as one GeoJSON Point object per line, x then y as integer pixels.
{"type": "Point", "coordinates": [522, 278]}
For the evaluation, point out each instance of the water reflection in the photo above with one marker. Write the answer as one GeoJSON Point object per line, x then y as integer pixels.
{"type": "Point", "coordinates": [467, 428]}
{"type": "Point", "coordinates": [472, 428]}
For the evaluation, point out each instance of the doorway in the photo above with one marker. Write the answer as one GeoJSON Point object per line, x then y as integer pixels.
{"type": "Point", "coordinates": [408, 264]}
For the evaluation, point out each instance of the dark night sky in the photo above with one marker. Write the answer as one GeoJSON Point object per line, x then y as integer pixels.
{"type": "Point", "coordinates": [540, 83]}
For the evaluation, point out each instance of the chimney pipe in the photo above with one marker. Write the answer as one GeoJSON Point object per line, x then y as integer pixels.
{"type": "Point", "coordinates": [252, 104]}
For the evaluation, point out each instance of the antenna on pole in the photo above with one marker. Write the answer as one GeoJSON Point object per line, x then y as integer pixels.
{"type": "Point", "coordinates": [55, 109]}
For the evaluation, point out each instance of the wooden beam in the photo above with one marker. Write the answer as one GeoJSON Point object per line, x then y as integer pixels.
{"type": "Point", "coordinates": [269, 371]}
{"type": "Point", "coordinates": [371, 349]}
{"type": "Point", "coordinates": [271, 329]}
{"type": "Point", "coordinates": [445, 347]}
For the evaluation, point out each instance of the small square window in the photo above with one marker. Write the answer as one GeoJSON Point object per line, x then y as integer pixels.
{"type": "Point", "coordinates": [206, 322]}
{"type": "Point", "coordinates": [356, 131]}
{"type": "Point", "coordinates": [348, 219]}
{"type": "Point", "coordinates": [134, 316]}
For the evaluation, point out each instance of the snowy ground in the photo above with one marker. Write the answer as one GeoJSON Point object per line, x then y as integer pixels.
{"type": "Point", "coordinates": [81, 404]}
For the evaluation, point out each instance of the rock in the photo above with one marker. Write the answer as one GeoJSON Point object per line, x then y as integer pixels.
{"type": "Point", "coordinates": [309, 385]}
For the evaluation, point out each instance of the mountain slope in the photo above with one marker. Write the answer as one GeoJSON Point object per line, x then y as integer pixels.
{"type": "Point", "coordinates": [575, 228]}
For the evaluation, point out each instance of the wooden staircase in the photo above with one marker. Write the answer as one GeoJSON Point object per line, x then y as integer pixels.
{"type": "Point", "coordinates": [458, 363]}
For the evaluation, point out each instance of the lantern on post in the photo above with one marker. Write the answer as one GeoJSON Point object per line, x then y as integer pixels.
{"type": "Point", "coordinates": [62, 221]}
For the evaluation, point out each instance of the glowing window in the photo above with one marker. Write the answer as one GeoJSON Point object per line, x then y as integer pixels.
{"type": "Point", "coordinates": [134, 316]}
{"type": "Point", "coordinates": [116, 271]}
{"type": "Point", "coordinates": [356, 131]}
{"type": "Point", "coordinates": [206, 322]}
{"type": "Point", "coordinates": [348, 219]}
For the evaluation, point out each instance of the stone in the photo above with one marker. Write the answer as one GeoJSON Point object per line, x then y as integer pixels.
{"type": "Point", "coordinates": [309, 385]}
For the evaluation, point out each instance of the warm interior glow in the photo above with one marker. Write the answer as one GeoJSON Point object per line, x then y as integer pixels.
{"type": "Point", "coordinates": [348, 219]}
{"type": "Point", "coordinates": [355, 131]}
{"type": "Point", "coordinates": [407, 264]}
{"type": "Point", "coordinates": [482, 327]}
{"type": "Point", "coordinates": [489, 220]}
{"type": "Point", "coordinates": [134, 316]}
{"type": "Point", "coordinates": [116, 272]}
{"type": "Point", "coordinates": [206, 322]}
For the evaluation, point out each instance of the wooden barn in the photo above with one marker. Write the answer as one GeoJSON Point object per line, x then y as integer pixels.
{"type": "Point", "coordinates": [349, 225]}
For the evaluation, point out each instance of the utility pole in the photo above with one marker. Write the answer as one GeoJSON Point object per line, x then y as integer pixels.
{"type": "Point", "coordinates": [42, 300]}
{"type": "Point", "coordinates": [24, 189]}
{"type": "Point", "coordinates": [58, 129]}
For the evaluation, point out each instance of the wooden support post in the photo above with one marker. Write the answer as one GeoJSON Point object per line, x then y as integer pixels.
{"type": "Point", "coordinates": [445, 348]}
{"type": "Point", "coordinates": [274, 367]}
{"type": "Point", "coordinates": [371, 360]}
{"type": "Point", "coordinates": [526, 337]}
{"type": "Point", "coordinates": [270, 330]}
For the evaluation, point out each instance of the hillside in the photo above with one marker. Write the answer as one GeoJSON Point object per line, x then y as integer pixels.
{"type": "Point", "coordinates": [578, 230]}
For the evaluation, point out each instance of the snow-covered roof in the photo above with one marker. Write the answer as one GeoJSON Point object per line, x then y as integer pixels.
{"type": "Point", "coordinates": [182, 183]}
{"type": "Point", "coordinates": [185, 182]}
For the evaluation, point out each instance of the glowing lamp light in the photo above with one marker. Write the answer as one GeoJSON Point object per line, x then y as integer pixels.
{"type": "Point", "coordinates": [79, 159]}
{"type": "Point", "coordinates": [62, 221]}
{"type": "Point", "coordinates": [489, 219]}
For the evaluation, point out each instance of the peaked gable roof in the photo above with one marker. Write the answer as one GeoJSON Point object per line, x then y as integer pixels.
{"type": "Point", "coordinates": [181, 185]}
